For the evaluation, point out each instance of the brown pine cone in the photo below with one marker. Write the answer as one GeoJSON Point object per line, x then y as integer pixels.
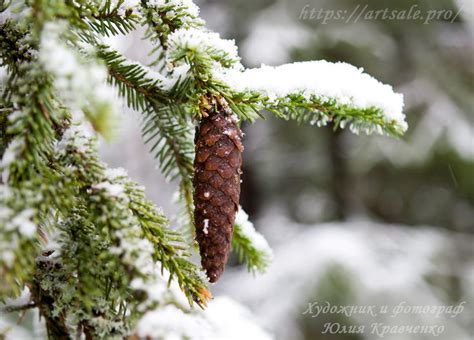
{"type": "Point", "coordinates": [216, 186]}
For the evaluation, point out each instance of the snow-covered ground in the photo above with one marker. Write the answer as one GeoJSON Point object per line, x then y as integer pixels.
{"type": "Point", "coordinates": [360, 264]}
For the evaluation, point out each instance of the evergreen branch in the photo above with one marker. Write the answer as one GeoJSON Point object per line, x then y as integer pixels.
{"type": "Point", "coordinates": [110, 238]}
{"type": "Point", "coordinates": [110, 25]}
{"type": "Point", "coordinates": [163, 19]}
{"type": "Point", "coordinates": [165, 124]}
{"type": "Point", "coordinates": [108, 201]}
{"type": "Point", "coordinates": [45, 299]}
{"type": "Point", "coordinates": [109, 19]}
{"type": "Point", "coordinates": [186, 198]}
{"type": "Point", "coordinates": [12, 309]}
{"type": "Point", "coordinates": [171, 140]}
{"type": "Point", "coordinates": [15, 46]}
{"type": "Point", "coordinates": [36, 112]}
{"type": "Point", "coordinates": [132, 79]}
{"type": "Point", "coordinates": [321, 112]}
{"type": "Point", "coordinates": [319, 92]}
{"type": "Point", "coordinates": [254, 259]}
{"type": "Point", "coordinates": [166, 243]}
{"type": "Point", "coordinates": [250, 247]}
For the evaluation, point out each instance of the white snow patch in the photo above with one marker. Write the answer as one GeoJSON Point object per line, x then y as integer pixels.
{"type": "Point", "coordinates": [76, 137]}
{"type": "Point", "coordinates": [191, 8]}
{"type": "Point", "coordinates": [248, 231]}
{"type": "Point", "coordinates": [22, 222]}
{"type": "Point", "coordinates": [386, 264]}
{"type": "Point", "coordinates": [12, 117]}
{"type": "Point", "coordinates": [11, 153]}
{"type": "Point", "coordinates": [223, 319]}
{"type": "Point", "coordinates": [202, 42]}
{"type": "Point", "coordinates": [179, 73]}
{"type": "Point", "coordinates": [79, 83]}
{"type": "Point", "coordinates": [115, 173]}
{"type": "Point", "coordinates": [112, 189]}
{"type": "Point", "coordinates": [206, 226]}
{"type": "Point", "coordinates": [23, 299]}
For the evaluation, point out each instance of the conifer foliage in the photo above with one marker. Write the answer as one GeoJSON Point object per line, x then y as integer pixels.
{"type": "Point", "coordinates": [82, 237]}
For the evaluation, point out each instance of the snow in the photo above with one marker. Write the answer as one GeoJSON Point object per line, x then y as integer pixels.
{"type": "Point", "coordinates": [15, 115]}
{"type": "Point", "coordinates": [77, 137]}
{"type": "Point", "coordinates": [114, 190]}
{"type": "Point", "coordinates": [79, 83]}
{"type": "Point", "coordinates": [223, 319]}
{"type": "Point", "coordinates": [164, 82]}
{"type": "Point", "coordinates": [248, 231]}
{"type": "Point", "coordinates": [179, 73]}
{"type": "Point", "coordinates": [387, 264]}
{"type": "Point", "coordinates": [16, 11]}
{"type": "Point", "coordinates": [8, 257]}
{"type": "Point", "coordinates": [156, 286]}
{"type": "Point", "coordinates": [188, 5]}
{"type": "Point", "coordinates": [206, 226]}
{"type": "Point", "coordinates": [22, 222]}
{"type": "Point", "coordinates": [22, 300]}
{"type": "Point", "coordinates": [341, 82]}
{"type": "Point", "coordinates": [11, 154]}
{"type": "Point", "coordinates": [12, 151]}
{"type": "Point", "coordinates": [4, 212]}
{"type": "Point", "coordinates": [115, 173]}
{"type": "Point", "coordinates": [202, 42]}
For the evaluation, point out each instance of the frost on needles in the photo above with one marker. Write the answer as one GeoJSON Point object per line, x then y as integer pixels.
{"type": "Point", "coordinates": [82, 238]}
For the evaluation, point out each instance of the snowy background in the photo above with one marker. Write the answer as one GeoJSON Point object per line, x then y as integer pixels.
{"type": "Point", "coordinates": [353, 220]}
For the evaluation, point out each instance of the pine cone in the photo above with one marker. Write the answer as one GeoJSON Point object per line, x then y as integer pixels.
{"type": "Point", "coordinates": [216, 186]}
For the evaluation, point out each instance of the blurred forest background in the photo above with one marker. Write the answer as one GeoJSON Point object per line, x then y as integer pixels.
{"type": "Point", "coordinates": [352, 219]}
{"type": "Point", "coordinates": [424, 179]}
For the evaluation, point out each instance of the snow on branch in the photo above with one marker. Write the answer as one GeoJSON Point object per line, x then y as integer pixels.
{"type": "Point", "coordinates": [81, 84]}
{"type": "Point", "coordinates": [330, 89]}
{"type": "Point", "coordinates": [223, 319]}
{"type": "Point", "coordinates": [186, 6]}
{"type": "Point", "coordinates": [193, 43]}
{"type": "Point", "coordinates": [166, 16]}
{"type": "Point", "coordinates": [249, 245]}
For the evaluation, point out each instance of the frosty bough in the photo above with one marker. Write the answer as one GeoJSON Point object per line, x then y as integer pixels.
{"type": "Point", "coordinates": [83, 237]}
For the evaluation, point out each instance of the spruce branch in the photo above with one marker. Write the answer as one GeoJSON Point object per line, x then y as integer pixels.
{"type": "Point", "coordinates": [12, 309]}
{"type": "Point", "coordinates": [319, 92]}
{"type": "Point", "coordinates": [171, 248]}
{"type": "Point", "coordinates": [162, 19]}
{"type": "Point", "coordinates": [15, 46]}
{"type": "Point", "coordinates": [46, 299]}
{"type": "Point", "coordinates": [106, 243]}
{"type": "Point", "coordinates": [250, 246]}
{"type": "Point", "coordinates": [113, 19]}
{"type": "Point", "coordinates": [132, 79]}
{"type": "Point", "coordinates": [166, 125]}
{"type": "Point", "coordinates": [321, 112]}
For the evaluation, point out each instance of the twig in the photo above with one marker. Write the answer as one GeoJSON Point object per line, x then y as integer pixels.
{"type": "Point", "coordinates": [11, 309]}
